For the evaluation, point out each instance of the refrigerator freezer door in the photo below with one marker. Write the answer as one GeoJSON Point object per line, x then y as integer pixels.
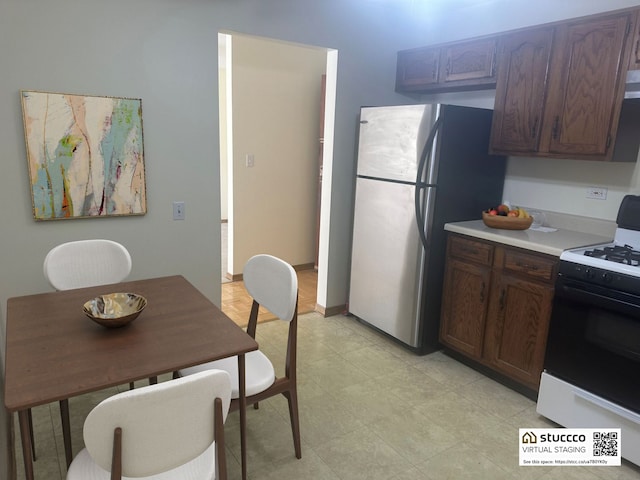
{"type": "Point", "coordinates": [391, 140]}
{"type": "Point", "coordinates": [386, 259]}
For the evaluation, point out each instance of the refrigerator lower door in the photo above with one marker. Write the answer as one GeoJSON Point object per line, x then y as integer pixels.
{"type": "Point", "coordinates": [386, 259]}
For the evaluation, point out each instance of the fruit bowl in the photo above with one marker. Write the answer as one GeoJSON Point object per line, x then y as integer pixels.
{"type": "Point", "coordinates": [115, 309]}
{"type": "Point", "coordinates": [506, 223]}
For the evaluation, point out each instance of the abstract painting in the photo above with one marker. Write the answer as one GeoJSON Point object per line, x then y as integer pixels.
{"type": "Point", "coordinates": [85, 155]}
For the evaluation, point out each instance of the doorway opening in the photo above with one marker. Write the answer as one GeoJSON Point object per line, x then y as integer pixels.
{"type": "Point", "coordinates": [273, 108]}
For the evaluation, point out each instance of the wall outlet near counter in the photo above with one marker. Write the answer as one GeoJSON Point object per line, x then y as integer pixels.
{"type": "Point", "coordinates": [599, 193]}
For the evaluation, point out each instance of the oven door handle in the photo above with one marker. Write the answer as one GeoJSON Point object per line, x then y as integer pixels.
{"type": "Point", "coordinates": [617, 302]}
{"type": "Point", "coordinates": [607, 405]}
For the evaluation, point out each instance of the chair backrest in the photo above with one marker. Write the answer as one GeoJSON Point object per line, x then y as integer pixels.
{"type": "Point", "coordinates": [86, 263]}
{"type": "Point", "coordinates": [272, 283]}
{"type": "Point", "coordinates": [163, 426]}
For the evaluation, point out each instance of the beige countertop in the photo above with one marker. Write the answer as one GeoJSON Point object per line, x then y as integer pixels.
{"type": "Point", "coordinates": [551, 243]}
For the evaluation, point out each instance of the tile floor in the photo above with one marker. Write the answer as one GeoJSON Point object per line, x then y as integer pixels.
{"type": "Point", "coordinates": [369, 410]}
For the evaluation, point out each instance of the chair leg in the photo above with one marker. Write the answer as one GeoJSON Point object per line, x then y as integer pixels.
{"type": "Point", "coordinates": [131, 386]}
{"type": "Point", "coordinates": [33, 445]}
{"type": "Point", "coordinates": [116, 455]}
{"type": "Point", "coordinates": [153, 380]}
{"type": "Point", "coordinates": [218, 434]}
{"type": "Point", "coordinates": [292, 398]}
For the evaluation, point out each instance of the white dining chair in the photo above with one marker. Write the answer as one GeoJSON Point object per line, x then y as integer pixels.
{"type": "Point", "coordinates": [84, 263]}
{"type": "Point", "coordinates": [172, 430]}
{"type": "Point", "coordinates": [273, 284]}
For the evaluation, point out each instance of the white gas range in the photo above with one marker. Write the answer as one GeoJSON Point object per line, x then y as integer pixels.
{"type": "Point", "coordinates": [620, 256]}
{"type": "Point", "coordinates": [592, 362]}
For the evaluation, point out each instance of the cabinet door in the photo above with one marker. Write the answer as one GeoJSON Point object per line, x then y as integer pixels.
{"type": "Point", "coordinates": [464, 306]}
{"type": "Point", "coordinates": [586, 87]}
{"type": "Point", "coordinates": [520, 90]}
{"type": "Point", "coordinates": [634, 56]}
{"type": "Point", "coordinates": [469, 61]}
{"type": "Point", "coordinates": [517, 326]}
{"type": "Point", "coordinates": [417, 68]}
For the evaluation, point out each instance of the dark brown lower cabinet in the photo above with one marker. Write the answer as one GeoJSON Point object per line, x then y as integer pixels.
{"type": "Point", "coordinates": [496, 306]}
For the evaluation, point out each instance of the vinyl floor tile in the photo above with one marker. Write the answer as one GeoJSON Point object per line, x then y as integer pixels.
{"type": "Point", "coordinates": [361, 455]}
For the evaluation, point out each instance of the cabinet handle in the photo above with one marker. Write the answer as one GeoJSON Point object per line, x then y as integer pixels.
{"type": "Point", "coordinates": [493, 62]}
{"type": "Point", "coordinates": [448, 66]}
{"type": "Point", "coordinates": [482, 293]}
{"type": "Point", "coordinates": [534, 129]}
{"type": "Point", "coordinates": [527, 266]}
{"type": "Point", "coordinates": [502, 298]}
{"type": "Point", "coordinates": [556, 127]}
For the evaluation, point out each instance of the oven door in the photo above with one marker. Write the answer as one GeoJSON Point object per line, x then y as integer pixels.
{"type": "Point", "coordinates": [594, 341]}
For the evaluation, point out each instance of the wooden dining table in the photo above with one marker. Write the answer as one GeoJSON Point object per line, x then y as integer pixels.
{"type": "Point", "coordinates": [55, 352]}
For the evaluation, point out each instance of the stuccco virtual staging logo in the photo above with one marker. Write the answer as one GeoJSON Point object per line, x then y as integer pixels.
{"type": "Point", "coordinates": [569, 446]}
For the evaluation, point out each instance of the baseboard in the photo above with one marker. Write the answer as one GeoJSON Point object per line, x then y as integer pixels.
{"type": "Point", "coordinates": [304, 266]}
{"type": "Point", "coordinates": [233, 278]}
{"type": "Point", "coordinates": [330, 311]}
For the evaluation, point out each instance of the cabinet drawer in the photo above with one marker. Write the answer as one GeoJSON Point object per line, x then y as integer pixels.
{"type": "Point", "coordinates": [472, 250]}
{"type": "Point", "coordinates": [531, 265]}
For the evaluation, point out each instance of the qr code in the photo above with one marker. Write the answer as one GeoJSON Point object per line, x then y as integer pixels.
{"type": "Point", "coordinates": [605, 444]}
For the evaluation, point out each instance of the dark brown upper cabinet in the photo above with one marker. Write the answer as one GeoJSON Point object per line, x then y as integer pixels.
{"type": "Point", "coordinates": [559, 89]}
{"type": "Point", "coordinates": [464, 65]}
{"type": "Point", "coordinates": [473, 61]}
{"type": "Point", "coordinates": [521, 90]}
{"type": "Point", "coordinates": [417, 69]}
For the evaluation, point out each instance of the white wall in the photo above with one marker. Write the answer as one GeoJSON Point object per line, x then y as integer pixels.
{"type": "Point", "coordinates": [276, 119]}
{"type": "Point", "coordinates": [483, 17]}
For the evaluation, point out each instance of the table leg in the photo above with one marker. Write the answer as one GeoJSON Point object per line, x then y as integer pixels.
{"type": "Point", "coordinates": [66, 430]}
{"type": "Point", "coordinates": [242, 398]}
{"type": "Point", "coordinates": [23, 419]}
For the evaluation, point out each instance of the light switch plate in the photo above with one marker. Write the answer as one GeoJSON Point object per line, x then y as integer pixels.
{"type": "Point", "coordinates": [178, 210]}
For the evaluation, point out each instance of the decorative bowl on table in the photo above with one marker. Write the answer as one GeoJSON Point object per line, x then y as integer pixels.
{"type": "Point", "coordinates": [115, 309]}
{"type": "Point", "coordinates": [506, 222]}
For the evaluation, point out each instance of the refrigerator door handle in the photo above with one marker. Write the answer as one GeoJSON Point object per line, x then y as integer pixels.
{"type": "Point", "coordinates": [421, 185]}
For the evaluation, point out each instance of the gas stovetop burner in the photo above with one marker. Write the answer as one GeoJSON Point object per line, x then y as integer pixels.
{"type": "Point", "coordinates": [621, 256]}
{"type": "Point", "coordinates": [618, 254]}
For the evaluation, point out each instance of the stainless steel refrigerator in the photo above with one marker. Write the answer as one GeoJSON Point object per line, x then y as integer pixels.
{"type": "Point", "coordinates": [419, 167]}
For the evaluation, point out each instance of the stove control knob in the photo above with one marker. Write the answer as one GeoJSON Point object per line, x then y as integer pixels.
{"type": "Point", "coordinates": [606, 277]}
{"type": "Point", "coordinates": [589, 274]}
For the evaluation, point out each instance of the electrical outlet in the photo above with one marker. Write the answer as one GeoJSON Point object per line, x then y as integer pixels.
{"type": "Point", "coordinates": [249, 160]}
{"type": "Point", "coordinates": [599, 193]}
{"type": "Point", "coordinates": [178, 210]}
